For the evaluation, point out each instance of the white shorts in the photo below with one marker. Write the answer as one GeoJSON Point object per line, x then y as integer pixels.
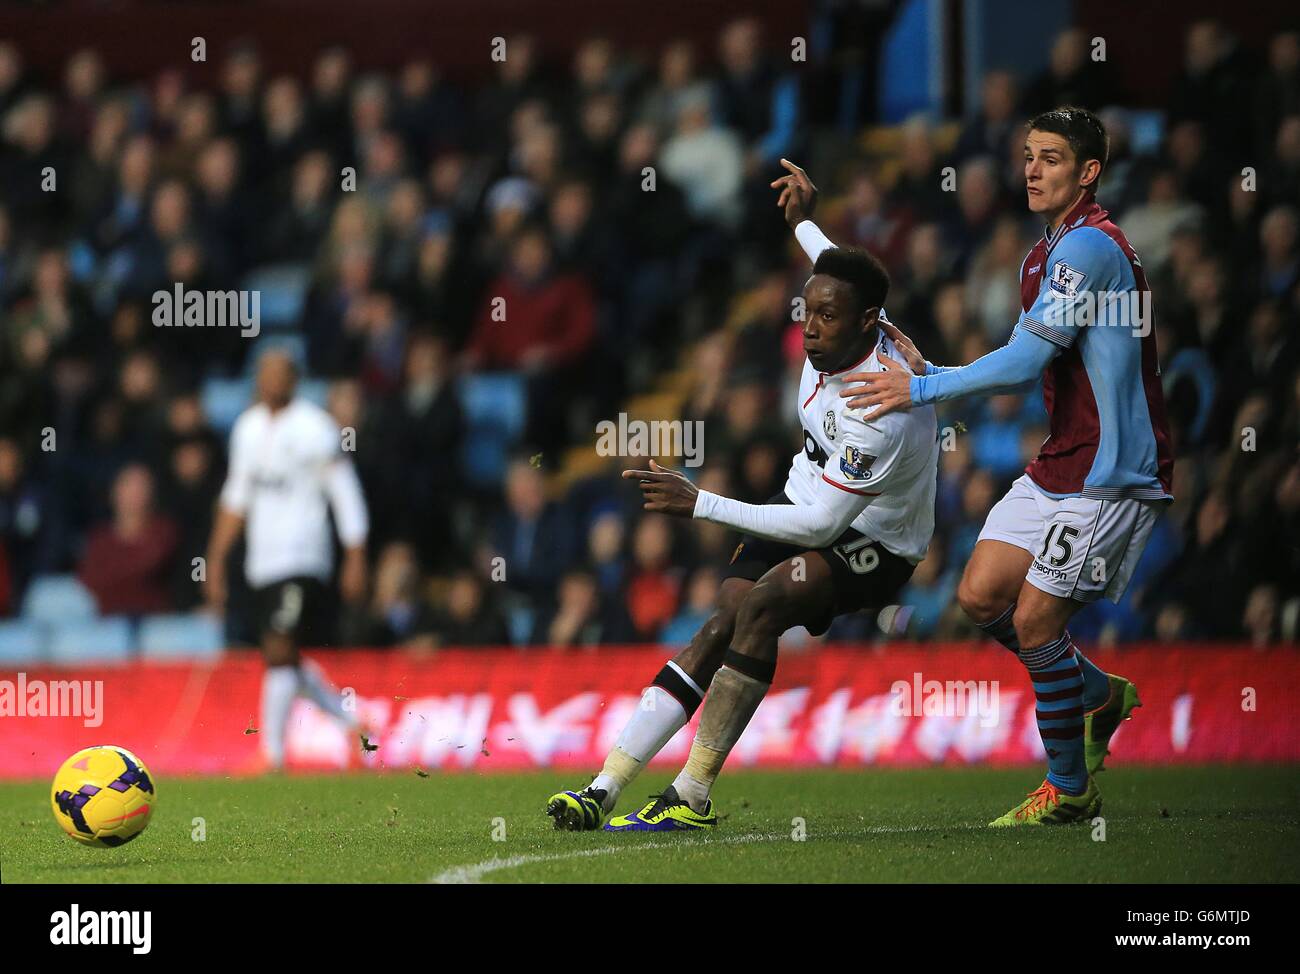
{"type": "Point", "coordinates": [1083, 548]}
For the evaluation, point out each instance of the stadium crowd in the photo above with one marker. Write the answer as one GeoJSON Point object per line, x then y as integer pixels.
{"type": "Point", "coordinates": [532, 188]}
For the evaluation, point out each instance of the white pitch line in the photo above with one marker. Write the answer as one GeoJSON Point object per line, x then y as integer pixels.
{"type": "Point", "coordinates": [475, 872]}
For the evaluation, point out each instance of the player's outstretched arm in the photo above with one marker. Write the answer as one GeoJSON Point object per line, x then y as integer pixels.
{"type": "Point", "coordinates": [1052, 324]}
{"type": "Point", "coordinates": [798, 196]}
{"type": "Point", "coordinates": [797, 200]}
{"type": "Point", "coordinates": [1003, 370]}
{"type": "Point", "coordinates": [812, 525]}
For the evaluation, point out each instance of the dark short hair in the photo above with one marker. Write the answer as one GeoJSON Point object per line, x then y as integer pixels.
{"type": "Point", "coordinates": [860, 270]}
{"type": "Point", "coordinates": [1082, 129]}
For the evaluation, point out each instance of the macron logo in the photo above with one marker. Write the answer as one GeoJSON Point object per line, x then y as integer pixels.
{"type": "Point", "coordinates": [74, 928]}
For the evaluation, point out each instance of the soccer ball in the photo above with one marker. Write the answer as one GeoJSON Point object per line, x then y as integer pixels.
{"type": "Point", "coordinates": [103, 796]}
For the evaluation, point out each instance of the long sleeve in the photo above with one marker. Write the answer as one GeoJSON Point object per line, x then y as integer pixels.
{"type": "Point", "coordinates": [808, 525]}
{"type": "Point", "coordinates": [238, 488]}
{"type": "Point", "coordinates": [812, 240]}
{"type": "Point", "coordinates": [347, 501]}
{"type": "Point", "coordinates": [841, 494]}
{"type": "Point", "coordinates": [1020, 361]}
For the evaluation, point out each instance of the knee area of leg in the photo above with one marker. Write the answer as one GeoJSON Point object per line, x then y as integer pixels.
{"type": "Point", "coordinates": [719, 626]}
{"type": "Point", "coordinates": [762, 606]}
{"type": "Point", "coordinates": [1031, 630]}
{"type": "Point", "coordinates": [979, 606]}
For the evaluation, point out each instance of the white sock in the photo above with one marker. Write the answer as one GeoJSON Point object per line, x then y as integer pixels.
{"type": "Point", "coordinates": [279, 687]}
{"type": "Point", "coordinates": [656, 719]}
{"type": "Point", "coordinates": [317, 688]}
{"type": "Point", "coordinates": [694, 793]}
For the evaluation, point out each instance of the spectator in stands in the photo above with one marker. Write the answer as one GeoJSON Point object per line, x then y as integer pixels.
{"type": "Point", "coordinates": [397, 614]}
{"type": "Point", "coordinates": [470, 616]}
{"type": "Point", "coordinates": [706, 162]}
{"type": "Point", "coordinates": [865, 221]}
{"type": "Point", "coordinates": [127, 561]}
{"type": "Point", "coordinates": [582, 616]}
{"type": "Point", "coordinates": [698, 605]}
{"type": "Point", "coordinates": [540, 322]}
{"type": "Point", "coordinates": [1281, 256]}
{"type": "Point", "coordinates": [1073, 76]}
{"type": "Point", "coordinates": [25, 521]}
{"type": "Point", "coordinates": [675, 86]}
{"type": "Point", "coordinates": [1150, 225]}
{"type": "Point", "coordinates": [654, 586]}
{"type": "Point", "coordinates": [532, 535]}
{"type": "Point", "coordinates": [918, 192]}
{"type": "Point", "coordinates": [997, 120]}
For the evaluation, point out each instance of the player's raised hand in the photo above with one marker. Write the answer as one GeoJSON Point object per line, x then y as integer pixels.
{"type": "Point", "coordinates": [911, 354]}
{"type": "Point", "coordinates": [665, 491]}
{"type": "Point", "coordinates": [798, 194]}
{"type": "Point", "coordinates": [881, 392]}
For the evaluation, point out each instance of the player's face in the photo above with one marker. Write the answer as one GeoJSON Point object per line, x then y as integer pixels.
{"type": "Point", "coordinates": [835, 330]}
{"type": "Point", "coordinates": [275, 380]}
{"type": "Point", "coordinates": [1052, 173]}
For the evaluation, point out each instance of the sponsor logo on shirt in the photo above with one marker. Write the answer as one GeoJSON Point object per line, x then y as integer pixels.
{"type": "Point", "coordinates": [855, 464]}
{"type": "Point", "coordinates": [1066, 280]}
{"type": "Point", "coordinates": [813, 451]}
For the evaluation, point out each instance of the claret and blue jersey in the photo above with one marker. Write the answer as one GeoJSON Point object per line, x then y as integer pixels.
{"type": "Point", "coordinates": [1087, 328]}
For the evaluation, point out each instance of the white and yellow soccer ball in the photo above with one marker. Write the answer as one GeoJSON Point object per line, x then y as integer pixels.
{"type": "Point", "coordinates": [103, 796]}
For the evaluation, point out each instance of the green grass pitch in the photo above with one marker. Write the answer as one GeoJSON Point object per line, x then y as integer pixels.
{"type": "Point", "coordinates": [1188, 825]}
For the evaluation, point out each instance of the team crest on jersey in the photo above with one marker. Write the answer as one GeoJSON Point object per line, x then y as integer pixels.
{"type": "Point", "coordinates": [828, 424]}
{"type": "Point", "coordinates": [1066, 280]}
{"type": "Point", "coordinates": [855, 464]}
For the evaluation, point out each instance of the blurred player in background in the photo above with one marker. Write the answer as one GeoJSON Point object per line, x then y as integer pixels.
{"type": "Point", "coordinates": [854, 519]}
{"type": "Point", "coordinates": [287, 471]}
{"type": "Point", "coordinates": [1073, 527]}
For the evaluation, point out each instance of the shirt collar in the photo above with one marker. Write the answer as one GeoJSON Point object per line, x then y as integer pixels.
{"type": "Point", "coordinates": [1072, 219]}
{"type": "Point", "coordinates": [856, 366]}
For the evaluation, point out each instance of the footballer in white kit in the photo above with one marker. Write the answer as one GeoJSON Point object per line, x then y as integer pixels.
{"type": "Point", "coordinates": [846, 533]}
{"type": "Point", "coordinates": [287, 471]}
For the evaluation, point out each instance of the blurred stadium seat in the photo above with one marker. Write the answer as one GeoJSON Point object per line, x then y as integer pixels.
{"type": "Point", "coordinates": [106, 640]}
{"type": "Point", "coordinates": [519, 620]}
{"type": "Point", "coordinates": [495, 411]}
{"type": "Point", "coordinates": [58, 599]}
{"type": "Point", "coordinates": [181, 636]}
{"type": "Point", "coordinates": [282, 288]}
{"type": "Point", "coordinates": [21, 642]}
{"type": "Point", "coordinates": [314, 390]}
{"type": "Point", "coordinates": [223, 401]}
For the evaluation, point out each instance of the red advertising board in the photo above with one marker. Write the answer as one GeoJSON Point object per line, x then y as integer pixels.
{"type": "Point", "coordinates": [508, 709]}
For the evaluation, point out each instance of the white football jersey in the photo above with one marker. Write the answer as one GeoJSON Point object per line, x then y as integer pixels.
{"type": "Point", "coordinates": [894, 459]}
{"type": "Point", "coordinates": [285, 468]}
